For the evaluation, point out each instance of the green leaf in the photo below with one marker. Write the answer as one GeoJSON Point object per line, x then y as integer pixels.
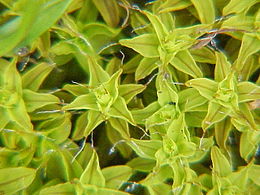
{"type": "Point", "coordinates": [250, 45]}
{"type": "Point", "coordinates": [243, 118]}
{"type": "Point", "coordinates": [236, 6]}
{"type": "Point", "coordinates": [194, 119]}
{"type": "Point", "coordinates": [173, 5]}
{"type": "Point", "coordinates": [119, 110]}
{"type": "Point", "coordinates": [206, 87]}
{"type": "Point", "coordinates": [109, 11]}
{"type": "Point", "coordinates": [12, 180]}
{"type": "Point", "coordinates": [190, 99]}
{"type": "Point", "coordinates": [80, 126]}
{"type": "Point", "coordinates": [67, 169]}
{"type": "Point", "coordinates": [145, 148]}
{"type": "Point", "coordinates": [205, 10]}
{"type": "Point", "coordinates": [222, 130]}
{"type": "Point", "coordinates": [158, 26]}
{"type": "Point", "coordinates": [58, 128]}
{"type": "Point", "coordinates": [97, 74]}
{"type": "Point", "coordinates": [140, 115]}
{"type": "Point", "coordinates": [222, 68]}
{"type": "Point", "coordinates": [47, 14]}
{"type": "Point", "coordinates": [146, 45]}
{"type": "Point", "coordinates": [116, 175]}
{"type": "Point", "coordinates": [4, 119]}
{"type": "Point", "coordinates": [240, 178]}
{"type": "Point", "coordinates": [248, 91]}
{"type": "Point", "coordinates": [93, 174]}
{"type": "Point", "coordinates": [238, 22]}
{"type": "Point", "coordinates": [254, 172]}
{"type": "Point", "coordinates": [146, 67]}
{"type": "Point", "coordinates": [221, 166]}
{"type": "Point", "coordinates": [93, 29]}
{"type": "Point", "coordinates": [111, 192]}
{"type": "Point", "coordinates": [184, 62]}
{"type": "Point", "coordinates": [87, 101]}
{"type": "Point", "coordinates": [94, 119]}
{"type": "Point", "coordinates": [33, 78]}
{"type": "Point", "coordinates": [166, 93]}
{"type": "Point", "coordinates": [142, 164]}
{"type": "Point", "coordinates": [129, 91]}
{"type": "Point", "coordinates": [11, 78]}
{"type": "Point", "coordinates": [215, 114]}
{"type": "Point", "coordinates": [117, 140]}
{"type": "Point", "coordinates": [15, 30]}
{"type": "Point", "coordinates": [121, 126]}
{"type": "Point", "coordinates": [157, 189]}
{"type": "Point", "coordinates": [76, 90]}
{"type": "Point", "coordinates": [204, 55]}
{"type": "Point", "coordinates": [248, 144]}
{"type": "Point", "coordinates": [18, 114]}
{"type": "Point", "coordinates": [132, 64]}
{"type": "Point", "coordinates": [60, 189]}
{"type": "Point", "coordinates": [34, 100]}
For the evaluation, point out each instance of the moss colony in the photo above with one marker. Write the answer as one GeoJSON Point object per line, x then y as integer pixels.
{"type": "Point", "coordinates": [114, 97]}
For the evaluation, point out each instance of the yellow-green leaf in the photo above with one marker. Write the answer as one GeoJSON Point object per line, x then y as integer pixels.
{"type": "Point", "coordinates": [205, 10]}
{"type": "Point", "coordinates": [146, 45]}
{"type": "Point", "coordinates": [116, 175]}
{"type": "Point", "coordinates": [237, 6]}
{"type": "Point", "coordinates": [146, 67]}
{"type": "Point", "coordinates": [12, 180]}
{"type": "Point", "coordinates": [221, 165]}
{"type": "Point", "coordinates": [109, 11]}
{"type": "Point", "coordinates": [184, 62]}
{"type": "Point", "coordinates": [93, 174]}
{"type": "Point", "coordinates": [222, 68]}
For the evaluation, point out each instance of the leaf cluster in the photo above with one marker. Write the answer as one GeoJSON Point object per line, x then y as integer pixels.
{"type": "Point", "coordinates": [129, 97]}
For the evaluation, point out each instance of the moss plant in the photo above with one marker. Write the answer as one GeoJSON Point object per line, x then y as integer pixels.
{"type": "Point", "coordinates": [111, 97]}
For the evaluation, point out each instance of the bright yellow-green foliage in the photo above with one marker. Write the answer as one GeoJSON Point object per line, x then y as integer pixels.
{"type": "Point", "coordinates": [111, 97]}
